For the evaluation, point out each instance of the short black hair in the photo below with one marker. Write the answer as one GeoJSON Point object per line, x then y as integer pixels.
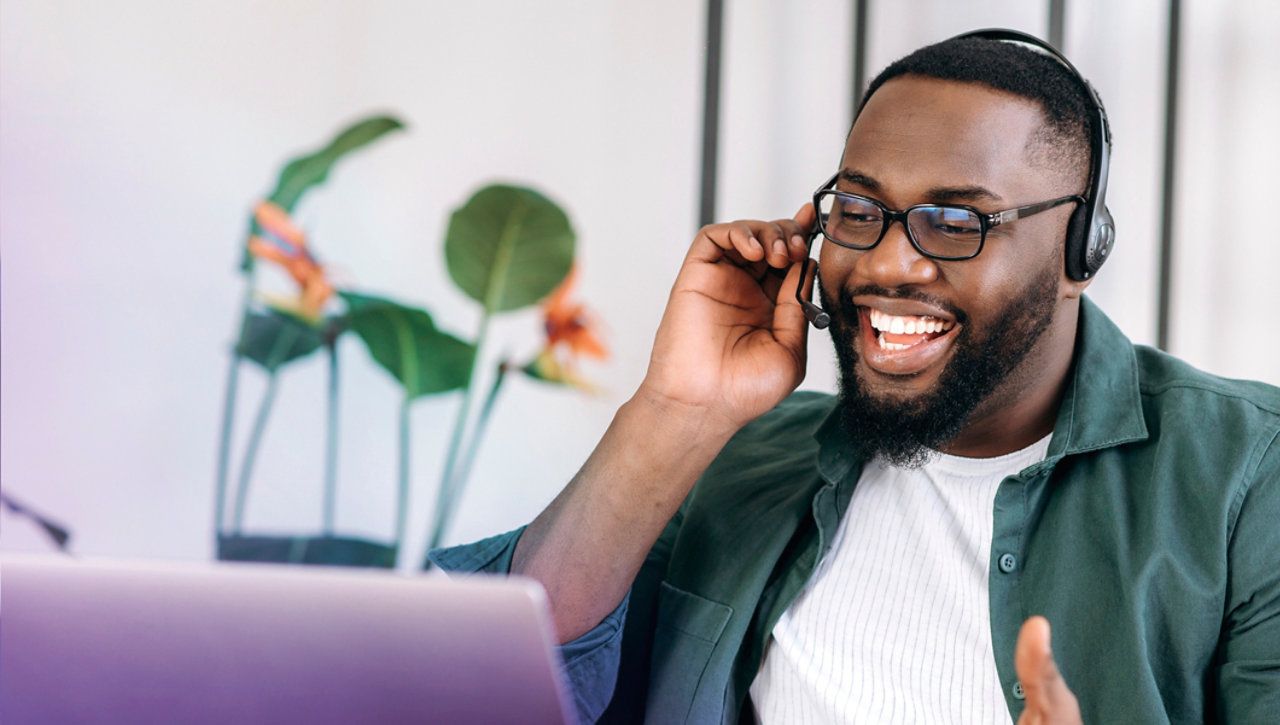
{"type": "Point", "coordinates": [1013, 68]}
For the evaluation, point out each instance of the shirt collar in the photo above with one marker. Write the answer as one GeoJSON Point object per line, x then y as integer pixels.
{"type": "Point", "coordinates": [1101, 407]}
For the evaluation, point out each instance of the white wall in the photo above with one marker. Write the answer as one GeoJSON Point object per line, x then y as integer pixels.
{"type": "Point", "coordinates": [135, 136]}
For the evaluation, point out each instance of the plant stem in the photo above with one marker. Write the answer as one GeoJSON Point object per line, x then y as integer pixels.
{"type": "Point", "coordinates": [251, 451]}
{"type": "Point", "coordinates": [402, 499]}
{"type": "Point", "coordinates": [409, 366]}
{"type": "Point", "coordinates": [278, 350]}
{"type": "Point", "coordinates": [331, 443]}
{"type": "Point", "coordinates": [473, 447]}
{"type": "Point", "coordinates": [224, 444]}
{"type": "Point", "coordinates": [451, 482]}
{"type": "Point", "coordinates": [440, 514]}
{"type": "Point", "coordinates": [228, 412]}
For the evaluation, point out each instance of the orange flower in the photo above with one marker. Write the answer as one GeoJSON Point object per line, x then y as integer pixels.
{"type": "Point", "coordinates": [571, 332]}
{"type": "Point", "coordinates": [282, 242]}
{"type": "Point", "coordinates": [570, 323]}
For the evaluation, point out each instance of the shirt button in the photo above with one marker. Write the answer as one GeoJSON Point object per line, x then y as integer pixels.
{"type": "Point", "coordinates": [1008, 562]}
{"type": "Point", "coordinates": [1018, 693]}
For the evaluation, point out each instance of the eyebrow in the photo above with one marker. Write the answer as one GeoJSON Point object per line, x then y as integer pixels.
{"type": "Point", "coordinates": [936, 195]}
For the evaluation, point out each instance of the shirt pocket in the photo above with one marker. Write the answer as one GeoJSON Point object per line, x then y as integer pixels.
{"type": "Point", "coordinates": [685, 635]}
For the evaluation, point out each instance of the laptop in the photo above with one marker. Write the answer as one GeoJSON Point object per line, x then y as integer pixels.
{"type": "Point", "coordinates": [85, 641]}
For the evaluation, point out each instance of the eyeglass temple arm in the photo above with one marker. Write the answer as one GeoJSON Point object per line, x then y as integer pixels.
{"type": "Point", "coordinates": [1010, 215]}
{"type": "Point", "coordinates": [815, 314]}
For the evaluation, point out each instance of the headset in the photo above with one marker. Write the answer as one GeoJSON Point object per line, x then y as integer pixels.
{"type": "Point", "coordinates": [1091, 231]}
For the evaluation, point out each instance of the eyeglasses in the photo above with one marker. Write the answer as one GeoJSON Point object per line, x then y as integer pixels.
{"type": "Point", "coordinates": [937, 231]}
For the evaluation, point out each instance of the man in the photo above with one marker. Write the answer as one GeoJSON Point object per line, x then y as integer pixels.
{"type": "Point", "coordinates": [1000, 457]}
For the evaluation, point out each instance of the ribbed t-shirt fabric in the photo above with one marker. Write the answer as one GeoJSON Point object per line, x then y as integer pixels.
{"type": "Point", "coordinates": [895, 625]}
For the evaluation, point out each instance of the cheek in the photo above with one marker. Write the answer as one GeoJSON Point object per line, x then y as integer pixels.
{"type": "Point", "coordinates": [1004, 289]}
{"type": "Point", "coordinates": [835, 264]}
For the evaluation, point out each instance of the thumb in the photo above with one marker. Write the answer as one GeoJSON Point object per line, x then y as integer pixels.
{"type": "Point", "coordinates": [806, 216]}
{"type": "Point", "coordinates": [790, 326]}
{"type": "Point", "coordinates": [1048, 699]}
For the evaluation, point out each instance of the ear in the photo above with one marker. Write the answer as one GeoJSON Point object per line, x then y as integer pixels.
{"type": "Point", "coordinates": [1069, 289]}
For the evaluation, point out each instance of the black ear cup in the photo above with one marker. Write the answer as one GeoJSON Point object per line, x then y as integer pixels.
{"type": "Point", "coordinates": [1077, 240]}
{"type": "Point", "coordinates": [1101, 236]}
{"type": "Point", "coordinates": [1089, 240]}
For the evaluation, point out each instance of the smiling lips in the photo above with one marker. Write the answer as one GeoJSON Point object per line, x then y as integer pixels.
{"type": "Point", "coordinates": [901, 332]}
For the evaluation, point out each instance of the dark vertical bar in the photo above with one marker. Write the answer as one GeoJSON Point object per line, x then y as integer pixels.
{"type": "Point", "coordinates": [859, 52]}
{"type": "Point", "coordinates": [1057, 23]}
{"type": "Point", "coordinates": [1172, 56]}
{"type": "Point", "coordinates": [711, 112]}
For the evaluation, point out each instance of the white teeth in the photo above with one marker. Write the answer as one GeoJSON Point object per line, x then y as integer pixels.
{"type": "Point", "coordinates": [885, 345]}
{"type": "Point", "coordinates": [907, 325]}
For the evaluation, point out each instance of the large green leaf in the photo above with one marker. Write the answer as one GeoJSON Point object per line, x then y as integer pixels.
{"type": "Point", "coordinates": [306, 171]}
{"type": "Point", "coordinates": [405, 342]}
{"type": "Point", "coordinates": [508, 247]}
{"type": "Point", "coordinates": [273, 339]}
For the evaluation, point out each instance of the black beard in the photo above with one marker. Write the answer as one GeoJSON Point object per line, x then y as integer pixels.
{"type": "Point", "coordinates": [906, 432]}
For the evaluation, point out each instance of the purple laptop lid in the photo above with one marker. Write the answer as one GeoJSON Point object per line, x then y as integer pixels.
{"type": "Point", "coordinates": [117, 642]}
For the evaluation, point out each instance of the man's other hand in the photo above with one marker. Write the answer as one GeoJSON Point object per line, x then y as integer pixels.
{"type": "Point", "coordinates": [732, 338]}
{"type": "Point", "coordinates": [1049, 700]}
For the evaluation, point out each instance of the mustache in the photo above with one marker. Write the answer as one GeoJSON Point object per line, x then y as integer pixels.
{"type": "Point", "coordinates": [849, 310]}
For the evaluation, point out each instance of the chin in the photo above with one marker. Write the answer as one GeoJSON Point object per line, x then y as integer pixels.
{"type": "Point", "coordinates": [903, 417]}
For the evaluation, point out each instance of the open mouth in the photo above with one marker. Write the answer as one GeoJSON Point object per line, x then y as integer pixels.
{"type": "Point", "coordinates": [900, 345]}
{"type": "Point", "coordinates": [902, 332]}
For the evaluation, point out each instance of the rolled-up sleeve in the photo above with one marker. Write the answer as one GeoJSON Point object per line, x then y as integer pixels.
{"type": "Point", "coordinates": [590, 662]}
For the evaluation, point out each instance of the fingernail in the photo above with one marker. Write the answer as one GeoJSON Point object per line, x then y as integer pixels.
{"type": "Point", "coordinates": [780, 247]}
{"type": "Point", "coordinates": [797, 240]}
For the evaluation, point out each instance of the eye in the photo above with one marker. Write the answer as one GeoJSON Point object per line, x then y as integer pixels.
{"type": "Point", "coordinates": [952, 230]}
{"type": "Point", "coordinates": [857, 211]}
{"type": "Point", "coordinates": [953, 222]}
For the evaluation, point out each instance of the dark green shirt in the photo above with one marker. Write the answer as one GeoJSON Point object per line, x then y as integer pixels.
{"type": "Point", "coordinates": [1149, 537]}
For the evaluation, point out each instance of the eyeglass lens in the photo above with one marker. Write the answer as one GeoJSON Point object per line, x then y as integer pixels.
{"type": "Point", "coordinates": [941, 231]}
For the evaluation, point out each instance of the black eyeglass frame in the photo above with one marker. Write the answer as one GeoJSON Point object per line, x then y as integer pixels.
{"type": "Point", "coordinates": [819, 317]}
{"type": "Point", "coordinates": [985, 221]}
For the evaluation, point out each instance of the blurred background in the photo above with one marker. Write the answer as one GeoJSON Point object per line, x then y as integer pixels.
{"type": "Point", "coordinates": [137, 135]}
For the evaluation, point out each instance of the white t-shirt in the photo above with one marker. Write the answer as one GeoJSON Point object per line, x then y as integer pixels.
{"type": "Point", "coordinates": [895, 624]}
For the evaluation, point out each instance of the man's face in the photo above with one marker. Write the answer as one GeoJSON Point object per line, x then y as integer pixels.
{"type": "Point", "coordinates": [981, 330]}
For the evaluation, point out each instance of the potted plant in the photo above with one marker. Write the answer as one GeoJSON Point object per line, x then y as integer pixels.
{"type": "Point", "coordinates": [507, 248]}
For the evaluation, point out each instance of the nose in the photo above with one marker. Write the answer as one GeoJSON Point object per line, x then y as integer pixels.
{"type": "Point", "coordinates": [895, 262]}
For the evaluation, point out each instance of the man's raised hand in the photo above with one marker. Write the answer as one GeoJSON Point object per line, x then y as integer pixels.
{"type": "Point", "coordinates": [730, 347]}
{"type": "Point", "coordinates": [732, 338]}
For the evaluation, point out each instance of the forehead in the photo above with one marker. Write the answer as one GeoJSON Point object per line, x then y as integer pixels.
{"type": "Point", "coordinates": [918, 134]}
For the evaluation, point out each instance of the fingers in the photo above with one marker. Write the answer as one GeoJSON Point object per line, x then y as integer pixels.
{"type": "Point", "coordinates": [1048, 699]}
{"type": "Point", "coordinates": [776, 244]}
{"type": "Point", "coordinates": [806, 217]}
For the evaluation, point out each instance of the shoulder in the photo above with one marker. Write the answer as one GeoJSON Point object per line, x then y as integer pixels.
{"type": "Point", "coordinates": [1219, 428]}
{"type": "Point", "coordinates": [1226, 411]}
{"type": "Point", "coordinates": [800, 414]}
{"type": "Point", "coordinates": [1161, 375]}
{"type": "Point", "coordinates": [771, 456]}
{"type": "Point", "coordinates": [788, 430]}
